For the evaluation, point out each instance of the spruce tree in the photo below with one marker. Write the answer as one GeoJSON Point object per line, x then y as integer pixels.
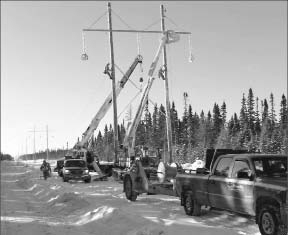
{"type": "Point", "coordinates": [250, 111]}
{"type": "Point", "coordinates": [272, 114]}
{"type": "Point", "coordinates": [217, 123]}
{"type": "Point", "coordinates": [283, 113]}
{"type": "Point", "coordinates": [184, 124]}
{"type": "Point", "coordinates": [100, 146]}
{"type": "Point", "coordinates": [201, 133]}
{"type": "Point", "coordinates": [155, 128]}
{"type": "Point", "coordinates": [265, 112]}
{"type": "Point", "coordinates": [243, 114]}
{"type": "Point", "coordinates": [209, 137]}
{"type": "Point", "coordinates": [190, 125]}
{"type": "Point", "coordinates": [148, 126]}
{"type": "Point", "coordinates": [223, 113]}
{"type": "Point", "coordinates": [257, 119]}
{"type": "Point", "coordinates": [174, 122]}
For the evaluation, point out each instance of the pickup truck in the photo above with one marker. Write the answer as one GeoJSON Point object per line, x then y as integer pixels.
{"type": "Point", "coordinates": [248, 184]}
{"type": "Point", "coordinates": [76, 169]}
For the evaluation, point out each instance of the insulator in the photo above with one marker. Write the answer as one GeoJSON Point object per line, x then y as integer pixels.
{"type": "Point", "coordinates": [191, 57]}
{"type": "Point", "coordinates": [84, 56]}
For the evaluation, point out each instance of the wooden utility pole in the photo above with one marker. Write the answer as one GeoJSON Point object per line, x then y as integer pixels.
{"type": "Point", "coordinates": [113, 83]}
{"type": "Point", "coordinates": [165, 73]}
{"type": "Point", "coordinates": [34, 155]}
{"type": "Point", "coordinates": [47, 142]}
{"type": "Point", "coordinates": [112, 76]}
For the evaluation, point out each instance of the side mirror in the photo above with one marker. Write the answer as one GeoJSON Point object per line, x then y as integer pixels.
{"type": "Point", "coordinates": [245, 174]}
{"type": "Point", "coordinates": [202, 171]}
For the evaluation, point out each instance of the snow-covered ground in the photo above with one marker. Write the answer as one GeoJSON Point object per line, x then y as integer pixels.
{"type": "Point", "coordinates": [33, 206]}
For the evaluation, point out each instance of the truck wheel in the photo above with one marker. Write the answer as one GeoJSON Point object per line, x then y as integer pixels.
{"type": "Point", "coordinates": [64, 179]}
{"type": "Point", "coordinates": [130, 194]}
{"type": "Point", "coordinates": [268, 220]}
{"type": "Point", "coordinates": [191, 207]}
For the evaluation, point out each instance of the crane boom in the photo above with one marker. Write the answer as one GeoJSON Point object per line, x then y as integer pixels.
{"type": "Point", "coordinates": [106, 105]}
{"type": "Point", "coordinates": [129, 140]}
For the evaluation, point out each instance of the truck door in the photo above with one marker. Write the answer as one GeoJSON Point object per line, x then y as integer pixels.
{"type": "Point", "coordinates": [218, 192]}
{"type": "Point", "coordinates": [241, 187]}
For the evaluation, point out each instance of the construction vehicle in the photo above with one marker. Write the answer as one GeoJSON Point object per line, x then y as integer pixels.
{"type": "Point", "coordinates": [81, 148]}
{"type": "Point", "coordinates": [131, 169]}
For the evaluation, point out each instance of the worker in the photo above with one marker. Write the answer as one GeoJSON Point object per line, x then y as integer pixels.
{"type": "Point", "coordinates": [46, 169]}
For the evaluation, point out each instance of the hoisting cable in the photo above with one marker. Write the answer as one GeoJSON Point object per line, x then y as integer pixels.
{"type": "Point", "coordinates": [99, 18]}
{"type": "Point", "coordinates": [138, 50]}
{"type": "Point", "coordinates": [149, 26]}
{"type": "Point", "coordinates": [84, 55]}
{"type": "Point", "coordinates": [191, 57]}
{"type": "Point", "coordinates": [129, 103]}
{"type": "Point", "coordinates": [83, 43]}
{"type": "Point", "coordinates": [154, 104]}
{"type": "Point", "coordinates": [122, 20]}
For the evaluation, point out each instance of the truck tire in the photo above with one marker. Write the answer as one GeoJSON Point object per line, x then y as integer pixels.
{"type": "Point", "coordinates": [268, 220]}
{"type": "Point", "coordinates": [191, 207]}
{"type": "Point", "coordinates": [64, 179]}
{"type": "Point", "coordinates": [130, 194]}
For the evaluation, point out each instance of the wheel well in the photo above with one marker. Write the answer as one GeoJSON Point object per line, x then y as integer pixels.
{"type": "Point", "coordinates": [184, 194]}
{"type": "Point", "coordinates": [265, 201]}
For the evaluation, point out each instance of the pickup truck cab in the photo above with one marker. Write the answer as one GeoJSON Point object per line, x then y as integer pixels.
{"type": "Point", "coordinates": [250, 184]}
{"type": "Point", "coordinates": [76, 169]}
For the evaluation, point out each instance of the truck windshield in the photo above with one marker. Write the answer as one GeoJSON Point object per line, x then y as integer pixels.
{"type": "Point", "coordinates": [273, 167]}
{"type": "Point", "coordinates": [75, 164]}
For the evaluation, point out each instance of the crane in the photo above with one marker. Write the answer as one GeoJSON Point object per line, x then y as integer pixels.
{"type": "Point", "coordinates": [81, 147]}
{"type": "Point", "coordinates": [106, 105]}
{"type": "Point", "coordinates": [129, 140]}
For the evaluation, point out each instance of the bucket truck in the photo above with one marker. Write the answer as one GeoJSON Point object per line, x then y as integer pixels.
{"type": "Point", "coordinates": [80, 150]}
{"type": "Point", "coordinates": [131, 174]}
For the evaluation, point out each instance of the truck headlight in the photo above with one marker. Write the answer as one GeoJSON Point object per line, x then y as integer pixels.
{"type": "Point", "coordinates": [86, 171]}
{"type": "Point", "coordinates": [66, 171]}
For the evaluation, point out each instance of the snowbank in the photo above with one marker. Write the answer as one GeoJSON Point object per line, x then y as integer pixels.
{"type": "Point", "coordinates": [66, 204]}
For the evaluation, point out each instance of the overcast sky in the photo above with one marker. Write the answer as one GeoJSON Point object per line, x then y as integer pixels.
{"type": "Point", "coordinates": [236, 45]}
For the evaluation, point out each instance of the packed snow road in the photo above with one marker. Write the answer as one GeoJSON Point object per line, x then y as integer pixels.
{"type": "Point", "coordinates": [32, 206]}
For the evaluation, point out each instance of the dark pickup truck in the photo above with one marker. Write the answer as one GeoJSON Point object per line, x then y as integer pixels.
{"type": "Point", "coordinates": [249, 184]}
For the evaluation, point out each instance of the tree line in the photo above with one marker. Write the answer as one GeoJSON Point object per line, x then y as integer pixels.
{"type": "Point", "coordinates": [255, 129]}
{"type": "Point", "coordinates": [5, 156]}
{"type": "Point", "coordinates": [53, 154]}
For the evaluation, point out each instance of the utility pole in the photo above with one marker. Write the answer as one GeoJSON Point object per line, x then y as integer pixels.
{"type": "Point", "coordinates": [34, 133]}
{"type": "Point", "coordinates": [34, 155]}
{"type": "Point", "coordinates": [165, 75]}
{"type": "Point", "coordinates": [26, 149]}
{"type": "Point", "coordinates": [112, 76]}
{"type": "Point", "coordinates": [47, 142]}
{"type": "Point", "coordinates": [113, 83]}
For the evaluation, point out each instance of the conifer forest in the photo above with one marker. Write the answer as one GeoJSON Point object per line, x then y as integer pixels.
{"type": "Point", "coordinates": [258, 127]}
